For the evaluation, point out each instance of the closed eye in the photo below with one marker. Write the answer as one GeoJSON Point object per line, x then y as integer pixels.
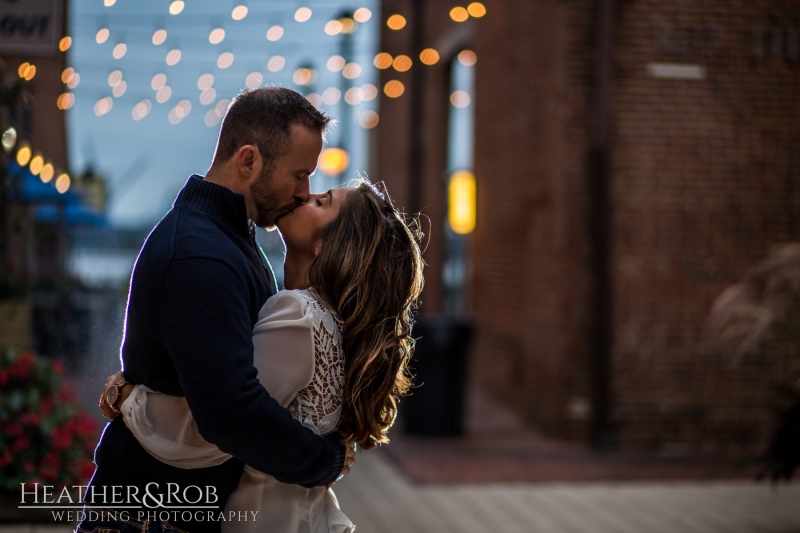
{"type": "Point", "coordinates": [319, 203]}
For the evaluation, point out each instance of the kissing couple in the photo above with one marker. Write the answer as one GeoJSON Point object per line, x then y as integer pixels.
{"type": "Point", "coordinates": [239, 405]}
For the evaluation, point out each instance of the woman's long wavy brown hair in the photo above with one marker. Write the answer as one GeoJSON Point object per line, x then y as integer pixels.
{"type": "Point", "coordinates": [369, 270]}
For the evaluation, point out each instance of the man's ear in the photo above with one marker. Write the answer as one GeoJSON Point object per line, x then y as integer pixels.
{"type": "Point", "coordinates": [247, 159]}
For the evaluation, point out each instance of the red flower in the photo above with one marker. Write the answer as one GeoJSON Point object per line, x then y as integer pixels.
{"type": "Point", "coordinates": [46, 406]}
{"type": "Point", "coordinates": [29, 419]}
{"type": "Point", "coordinates": [5, 459]}
{"type": "Point", "coordinates": [61, 439]}
{"type": "Point", "coordinates": [86, 469]}
{"type": "Point", "coordinates": [27, 466]}
{"type": "Point", "coordinates": [20, 444]}
{"type": "Point", "coordinates": [3, 378]}
{"type": "Point", "coordinates": [15, 430]}
{"type": "Point", "coordinates": [65, 395]}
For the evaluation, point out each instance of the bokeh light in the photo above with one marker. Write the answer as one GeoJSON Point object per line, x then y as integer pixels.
{"type": "Point", "coordinates": [333, 27]}
{"type": "Point", "coordinates": [396, 22]}
{"type": "Point", "coordinates": [211, 118]}
{"type": "Point", "coordinates": [459, 14]}
{"type": "Point", "coordinates": [225, 60]}
{"type": "Point", "coordinates": [222, 107]}
{"type": "Point", "coordinates": [207, 96]}
{"type": "Point", "coordinates": [26, 71]}
{"type": "Point", "coordinates": [173, 57]}
{"type": "Point", "coordinates": [63, 183]}
{"type": "Point", "coordinates": [460, 99]}
{"type": "Point", "coordinates": [183, 108]}
{"type": "Point", "coordinates": [253, 80]}
{"type": "Point", "coordinates": [335, 63]}
{"type": "Point", "coordinates": [114, 78]}
{"type": "Point", "coordinates": [276, 63]}
{"type": "Point", "coordinates": [109, 3]}
{"type": "Point", "coordinates": [102, 35]}
{"type": "Point", "coordinates": [304, 76]}
{"type": "Point", "coordinates": [351, 71]}
{"type": "Point", "coordinates": [354, 96]}
{"type": "Point", "coordinates": [47, 173]}
{"type": "Point", "coordinates": [429, 56]}
{"type": "Point", "coordinates": [274, 33]}
{"type": "Point", "coordinates": [315, 99]}
{"type": "Point", "coordinates": [368, 119]}
{"type": "Point", "coordinates": [158, 81]}
{"type": "Point", "coordinates": [467, 58]}
{"type": "Point", "coordinates": [401, 63]}
{"type": "Point", "coordinates": [333, 161]}
{"type": "Point", "coordinates": [369, 92]}
{"type": "Point", "coordinates": [163, 94]}
{"type": "Point", "coordinates": [9, 139]}
{"type": "Point", "coordinates": [216, 36]}
{"type": "Point", "coordinates": [36, 164]}
{"type": "Point", "coordinates": [173, 117]}
{"type": "Point", "coordinates": [303, 14]}
{"type": "Point", "coordinates": [331, 95]}
{"type": "Point", "coordinates": [159, 36]}
{"type": "Point", "coordinates": [476, 9]}
{"type": "Point", "coordinates": [348, 25]}
{"type": "Point", "coordinates": [65, 43]}
{"type": "Point", "coordinates": [23, 155]}
{"type": "Point", "coordinates": [462, 200]}
{"type": "Point", "coordinates": [141, 110]}
{"type": "Point", "coordinates": [383, 60]}
{"type": "Point", "coordinates": [239, 12]}
{"type": "Point", "coordinates": [362, 14]}
{"type": "Point", "coordinates": [119, 89]}
{"type": "Point", "coordinates": [74, 81]}
{"type": "Point", "coordinates": [67, 74]}
{"type": "Point", "coordinates": [119, 51]}
{"type": "Point", "coordinates": [393, 88]}
{"type": "Point", "coordinates": [65, 101]}
{"type": "Point", "coordinates": [176, 7]}
{"type": "Point", "coordinates": [103, 106]}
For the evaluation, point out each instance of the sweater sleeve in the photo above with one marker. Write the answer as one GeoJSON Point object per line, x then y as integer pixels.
{"type": "Point", "coordinates": [204, 323]}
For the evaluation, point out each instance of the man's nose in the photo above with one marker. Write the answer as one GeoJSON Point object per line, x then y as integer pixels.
{"type": "Point", "coordinates": [303, 190]}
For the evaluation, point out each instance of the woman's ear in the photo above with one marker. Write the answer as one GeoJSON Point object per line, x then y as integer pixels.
{"type": "Point", "coordinates": [317, 247]}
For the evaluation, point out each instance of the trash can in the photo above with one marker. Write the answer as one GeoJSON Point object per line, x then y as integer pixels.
{"type": "Point", "coordinates": [436, 404]}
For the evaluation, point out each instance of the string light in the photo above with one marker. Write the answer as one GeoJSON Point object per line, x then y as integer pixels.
{"type": "Point", "coordinates": [159, 36]}
{"type": "Point", "coordinates": [239, 12]}
{"type": "Point", "coordinates": [274, 33]}
{"type": "Point", "coordinates": [23, 155]}
{"type": "Point", "coordinates": [141, 110]}
{"type": "Point", "coordinates": [205, 81]}
{"type": "Point", "coordinates": [253, 80]}
{"type": "Point", "coordinates": [354, 96]}
{"type": "Point", "coordinates": [315, 99]}
{"type": "Point", "coordinates": [64, 43]}
{"type": "Point", "coordinates": [114, 78]}
{"type": "Point", "coordinates": [368, 119]}
{"type": "Point", "coordinates": [173, 57]}
{"type": "Point", "coordinates": [119, 89]}
{"type": "Point", "coordinates": [383, 60]}
{"type": "Point", "coordinates": [47, 173]}
{"type": "Point", "coordinates": [429, 56]}
{"type": "Point", "coordinates": [302, 14]}
{"type": "Point", "coordinates": [67, 74]}
{"type": "Point", "coordinates": [401, 63]}
{"type": "Point", "coordinates": [211, 119]}
{"type": "Point", "coordinates": [109, 3]}
{"type": "Point", "coordinates": [476, 9]}
{"type": "Point", "coordinates": [396, 22]}
{"type": "Point", "coordinates": [36, 165]}
{"type": "Point", "coordinates": [467, 58]}
{"type": "Point", "coordinates": [207, 96]}
{"type": "Point", "coordinates": [333, 27]}
{"type": "Point", "coordinates": [335, 63]}
{"type": "Point", "coordinates": [369, 92]}
{"type": "Point", "coordinates": [222, 107]}
{"type": "Point", "coordinates": [225, 60]}
{"type": "Point", "coordinates": [65, 101]}
{"type": "Point", "coordinates": [276, 63]}
{"type": "Point", "coordinates": [351, 71]}
{"type": "Point", "coordinates": [102, 36]}
{"type": "Point", "coordinates": [183, 108]}
{"type": "Point", "coordinates": [362, 14]}
{"type": "Point", "coordinates": [394, 88]}
{"type": "Point", "coordinates": [216, 36]}
{"type": "Point", "coordinates": [158, 81]}
{"type": "Point", "coordinates": [304, 76]}
{"type": "Point", "coordinates": [26, 71]}
{"type": "Point", "coordinates": [103, 106]}
{"type": "Point", "coordinates": [459, 14]}
{"type": "Point", "coordinates": [460, 99]}
{"type": "Point", "coordinates": [176, 7]}
{"type": "Point", "coordinates": [163, 94]}
{"type": "Point", "coordinates": [331, 95]}
{"type": "Point", "coordinates": [63, 183]}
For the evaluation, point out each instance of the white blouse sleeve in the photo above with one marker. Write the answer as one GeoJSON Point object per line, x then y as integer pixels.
{"type": "Point", "coordinates": [283, 341]}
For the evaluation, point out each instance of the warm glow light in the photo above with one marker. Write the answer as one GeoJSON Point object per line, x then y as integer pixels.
{"type": "Point", "coordinates": [24, 155]}
{"type": "Point", "coordinates": [119, 89]}
{"type": "Point", "coordinates": [62, 183]}
{"type": "Point", "coordinates": [67, 74]}
{"type": "Point", "coordinates": [276, 63]}
{"type": "Point", "coordinates": [102, 36]}
{"type": "Point", "coordinates": [211, 119]}
{"type": "Point", "coordinates": [22, 69]}
{"type": "Point", "coordinates": [331, 95]}
{"type": "Point", "coordinates": [26, 71]}
{"type": "Point", "coordinates": [216, 36]}
{"type": "Point", "coordinates": [393, 88]}
{"type": "Point", "coordinates": [119, 50]}
{"type": "Point", "coordinates": [382, 60]}
{"type": "Point", "coordinates": [315, 99]}
{"type": "Point", "coordinates": [9, 139]}
{"type": "Point", "coordinates": [173, 57]}
{"type": "Point", "coordinates": [401, 63]}
{"type": "Point", "coordinates": [225, 60]}
{"type": "Point", "coordinates": [222, 107]}
{"type": "Point", "coordinates": [109, 3]}
{"type": "Point", "coordinates": [207, 96]}
{"type": "Point", "coordinates": [239, 12]}
{"type": "Point", "coordinates": [467, 58]}
{"type": "Point", "coordinates": [335, 63]}
{"type": "Point", "coordinates": [47, 173]}
{"type": "Point", "coordinates": [396, 22]}
{"type": "Point", "coordinates": [103, 106]}
{"type": "Point", "coordinates": [429, 56]}
{"type": "Point", "coordinates": [253, 80]}
{"type": "Point", "coordinates": [333, 161]}
{"type": "Point", "coordinates": [163, 94]}
{"type": "Point", "coordinates": [36, 165]}
{"type": "Point", "coordinates": [348, 25]}
{"type": "Point", "coordinates": [459, 14]}
{"type": "Point", "coordinates": [173, 116]}
{"type": "Point", "coordinates": [354, 96]}
{"type": "Point", "coordinates": [205, 82]}
{"type": "Point", "coordinates": [460, 99]}
{"type": "Point", "coordinates": [362, 14]}
{"type": "Point", "coordinates": [158, 81]}
{"type": "Point", "coordinates": [369, 91]}
{"type": "Point", "coordinates": [176, 7]}
{"type": "Point", "coordinates": [333, 27]}
{"type": "Point", "coordinates": [76, 79]}
{"type": "Point", "coordinates": [368, 119]}
{"type": "Point", "coordinates": [141, 110]}
{"type": "Point", "coordinates": [64, 43]}
{"type": "Point", "coordinates": [65, 100]}
{"type": "Point", "coordinates": [476, 9]}
{"type": "Point", "coordinates": [302, 14]}
{"type": "Point", "coordinates": [304, 76]}
{"type": "Point", "coordinates": [461, 208]}
{"type": "Point", "coordinates": [274, 33]}
{"type": "Point", "coordinates": [114, 78]}
{"type": "Point", "coordinates": [351, 71]}
{"type": "Point", "coordinates": [159, 36]}
{"type": "Point", "coordinates": [183, 108]}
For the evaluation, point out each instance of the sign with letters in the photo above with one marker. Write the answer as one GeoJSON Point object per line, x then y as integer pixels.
{"type": "Point", "coordinates": [30, 27]}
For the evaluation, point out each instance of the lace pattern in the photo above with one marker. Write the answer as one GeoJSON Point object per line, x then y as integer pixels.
{"type": "Point", "coordinates": [319, 405]}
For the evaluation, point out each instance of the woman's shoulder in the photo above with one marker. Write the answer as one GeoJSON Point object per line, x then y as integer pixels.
{"type": "Point", "coordinates": [284, 305]}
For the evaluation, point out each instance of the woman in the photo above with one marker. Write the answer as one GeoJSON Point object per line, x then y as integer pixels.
{"type": "Point", "coordinates": [333, 348]}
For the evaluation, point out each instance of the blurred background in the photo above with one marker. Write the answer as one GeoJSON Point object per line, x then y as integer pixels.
{"type": "Point", "coordinates": [610, 193]}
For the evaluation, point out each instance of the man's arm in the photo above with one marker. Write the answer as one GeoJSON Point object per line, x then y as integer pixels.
{"type": "Point", "coordinates": [204, 322]}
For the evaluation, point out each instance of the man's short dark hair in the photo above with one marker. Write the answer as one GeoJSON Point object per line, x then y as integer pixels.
{"type": "Point", "coordinates": [262, 117]}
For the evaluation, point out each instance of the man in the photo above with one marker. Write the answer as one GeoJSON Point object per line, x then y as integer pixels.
{"type": "Point", "coordinates": [196, 290]}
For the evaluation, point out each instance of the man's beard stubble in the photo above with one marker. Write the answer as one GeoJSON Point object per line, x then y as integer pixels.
{"type": "Point", "coordinates": [268, 207]}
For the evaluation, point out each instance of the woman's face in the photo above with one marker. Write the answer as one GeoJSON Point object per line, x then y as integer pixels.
{"type": "Point", "coordinates": [302, 227]}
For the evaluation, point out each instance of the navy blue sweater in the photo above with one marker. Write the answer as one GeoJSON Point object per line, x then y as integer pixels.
{"type": "Point", "coordinates": [196, 290]}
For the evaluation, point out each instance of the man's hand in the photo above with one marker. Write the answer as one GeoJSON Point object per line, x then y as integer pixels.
{"type": "Point", "coordinates": [124, 392]}
{"type": "Point", "coordinates": [349, 460]}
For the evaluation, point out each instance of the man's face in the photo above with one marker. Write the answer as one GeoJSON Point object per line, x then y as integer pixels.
{"type": "Point", "coordinates": [276, 193]}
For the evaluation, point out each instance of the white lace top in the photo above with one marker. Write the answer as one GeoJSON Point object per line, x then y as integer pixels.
{"type": "Point", "coordinates": [298, 352]}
